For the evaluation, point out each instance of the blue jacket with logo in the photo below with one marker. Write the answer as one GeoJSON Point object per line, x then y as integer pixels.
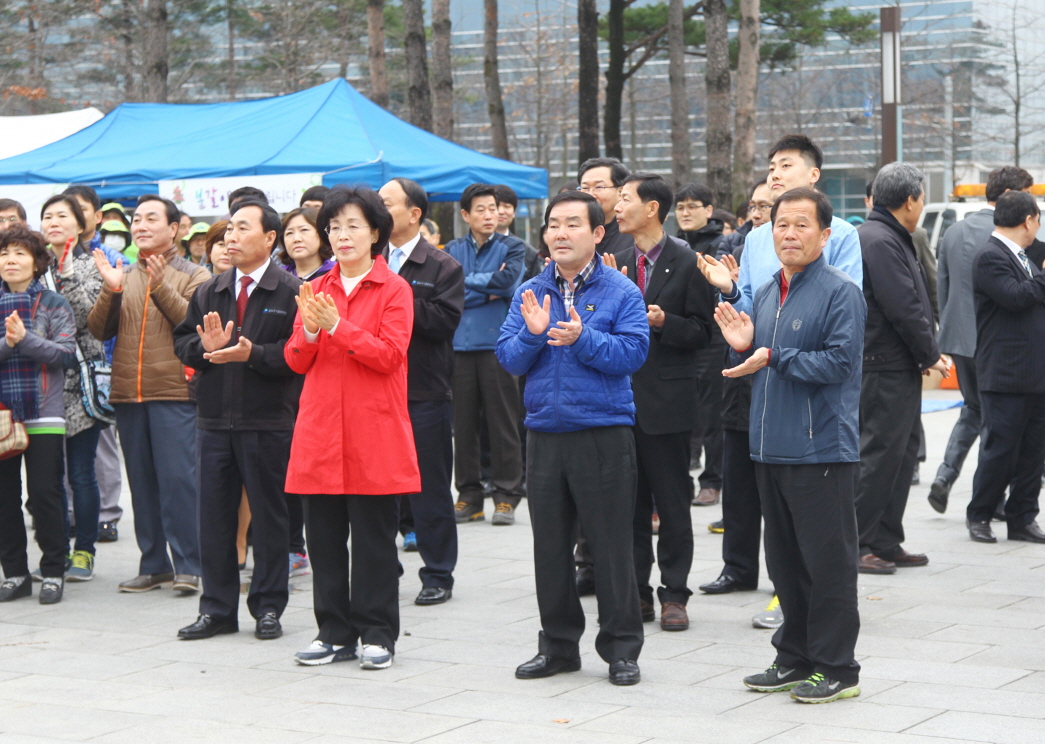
{"type": "Point", "coordinates": [492, 273]}
{"type": "Point", "coordinates": [805, 405]}
{"type": "Point", "coordinates": [588, 383]}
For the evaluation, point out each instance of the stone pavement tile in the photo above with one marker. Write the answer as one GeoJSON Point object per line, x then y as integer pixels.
{"type": "Point", "coordinates": [700, 728]}
{"type": "Point", "coordinates": [184, 730]}
{"type": "Point", "coordinates": [891, 627]}
{"type": "Point", "coordinates": [214, 677]}
{"type": "Point", "coordinates": [76, 665]}
{"type": "Point", "coordinates": [1010, 559]}
{"type": "Point", "coordinates": [1033, 682]}
{"type": "Point", "coordinates": [503, 681]}
{"type": "Point", "coordinates": [511, 633]}
{"type": "Point", "coordinates": [491, 706]}
{"type": "Point", "coordinates": [85, 641]}
{"type": "Point", "coordinates": [754, 658]}
{"type": "Point", "coordinates": [981, 727]}
{"type": "Point", "coordinates": [402, 668]}
{"type": "Point", "coordinates": [366, 723]}
{"type": "Point", "coordinates": [1029, 604]}
{"type": "Point", "coordinates": [498, 732]}
{"type": "Point", "coordinates": [968, 699]}
{"type": "Point", "coordinates": [240, 649]}
{"type": "Point", "coordinates": [32, 688]}
{"type": "Point", "coordinates": [482, 654]}
{"type": "Point", "coordinates": [228, 707]}
{"type": "Point", "coordinates": [994, 618]}
{"type": "Point", "coordinates": [663, 697]}
{"type": "Point", "coordinates": [811, 733]}
{"type": "Point", "coordinates": [1031, 587]}
{"type": "Point", "coordinates": [669, 645]}
{"type": "Point", "coordinates": [851, 713]}
{"type": "Point", "coordinates": [912, 596]}
{"type": "Point", "coordinates": [990, 636]}
{"type": "Point", "coordinates": [915, 649]}
{"type": "Point", "coordinates": [962, 674]}
{"type": "Point", "coordinates": [1012, 657]}
{"type": "Point", "coordinates": [373, 692]}
{"type": "Point", "coordinates": [67, 722]}
{"type": "Point", "coordinates": [667, 671]}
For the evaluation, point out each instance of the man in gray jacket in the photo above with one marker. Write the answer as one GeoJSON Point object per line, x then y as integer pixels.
{"type": "Point", "coordinates": [958, 249]}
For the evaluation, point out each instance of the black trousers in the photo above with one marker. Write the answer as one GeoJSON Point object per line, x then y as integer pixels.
{"type": "Point", "coordinates": [361, 603]}
{"type": "Point", "coordinates": [228, 462]}
{"type": "Point", "coordinates": [741, 509]}
{"type": "Point", "coordinates": [710, 363]}
{"type": "Point", "coordinates": [584, 477]}
{"type": "Point", "coordinates": [481, 384]}
{"type": "Point", "coordinates": [970, 421]}
{"type": "Point", "coordinates": [663, 474]}
{"type": "Point", "coordinates": [432, 510]}
{"type": "Point", "coordinates": [45, 502]}
{"type": "Point", "coordinates": [296, 517]}
{"type": "Point", "coordinates": [890, 413]}
{"type": "Point", "coordinates": [811, 552]}
{"type": "Point", "coordinates": [1012, 454]}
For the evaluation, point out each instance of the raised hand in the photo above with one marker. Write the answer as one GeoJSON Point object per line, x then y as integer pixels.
{"type": "Point", "coordinates": [238, 353]}
{"type": "Point", "coordinates": [731, 263]}
{"type": "Point", "coordinates": [718, 274]}
{"type": "Point", "coordinates": [324, 311]}
{"type": "Point", "coordinates": [537, 317]}
{"type": "Point", "coordinates": [568, 331]}
{"type": "Point", "coordinates": [211, 334]}
{"type": "Point", "coordinates": [655, 316]}
{"type": "Point", "coordinates": [608, 259]}
{"type": "Point", "coordinates": [155, 266]}
{"type": "Point", "coordinates": [737, 328]}
{"type": "Point", "coordinates": [111, 275]}
{"type": "Point", "coordinates": [306, 296]}
{"type": "Point", "coordinates": [15, 329]}
{"type": "Point", "coordinates": [749, 366]}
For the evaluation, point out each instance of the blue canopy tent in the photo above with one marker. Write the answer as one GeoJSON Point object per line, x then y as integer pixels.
{"type": "Point", "coordinates": [330, 129]}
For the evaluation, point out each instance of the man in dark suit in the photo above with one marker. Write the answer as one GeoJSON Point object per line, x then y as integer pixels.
{"type": "Point", "coordinates": [679, 304]}
{"type": "Point", "coordinates": [438, 283]}
{"type": "Point", "coordinates": [603, 178]}
{"type": "Point", "coordinates": [1010, 326]}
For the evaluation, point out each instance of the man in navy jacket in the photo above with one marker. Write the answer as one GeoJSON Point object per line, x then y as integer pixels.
{"type": "Point", "coordinates": [804, 344]}
{"type": "Point", "coordinates": [577, 331]}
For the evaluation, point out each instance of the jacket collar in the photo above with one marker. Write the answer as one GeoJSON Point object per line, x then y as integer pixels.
{"type": "Point", "coordinates": [418, 255]}
{"type": "Point", "coordinates": [379, 274]}
{"type": "Point", "coordinates": [168, 254]}
{"type": "Point", "coordinates": [547, 276]}
{"type": "Point", "coordinates": [800, 277]}
{"type": "Point", "coordinates": [883, 215]}
{"type": "Point", "coordinates": [269, 280]}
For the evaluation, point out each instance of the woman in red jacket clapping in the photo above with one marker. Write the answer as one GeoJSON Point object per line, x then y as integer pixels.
{"type": "Point", "coordinates": [350, 341]}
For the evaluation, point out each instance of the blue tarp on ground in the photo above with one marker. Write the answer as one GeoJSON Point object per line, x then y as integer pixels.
{"type": "Point", "coordinates": [331, 129]}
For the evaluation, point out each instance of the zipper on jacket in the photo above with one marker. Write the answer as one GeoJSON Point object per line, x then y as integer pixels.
{"type": "Point", "coordinates": [765, 391]}
{"type": "Point", "coordinates": [809, 407]}
{"type": "Point", "coordinates": [141, 338]}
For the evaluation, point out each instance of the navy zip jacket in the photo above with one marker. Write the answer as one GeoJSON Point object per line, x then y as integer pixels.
{"type": "Point", "coordinates": [588, 383]}
{"type": "Point", "coordinates": [805, 405]}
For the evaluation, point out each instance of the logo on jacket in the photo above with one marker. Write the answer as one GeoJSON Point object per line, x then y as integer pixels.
{"type": "Point", "coordinates": [589, 308]}
{"type": "Point", "coordinates": [274, 311]}
{"type": "Point", "coordinates": [796, 324]}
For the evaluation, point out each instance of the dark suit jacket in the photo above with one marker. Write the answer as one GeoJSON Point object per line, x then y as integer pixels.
{"type": "Point", "coordinates": [665, 386]}
{"type": "Point", "coordinates": [1010, 322]}
{"type": "Point", "coordinates": [438, 283]}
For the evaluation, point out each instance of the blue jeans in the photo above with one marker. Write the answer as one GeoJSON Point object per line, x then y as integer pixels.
{"type": "Point", "coordinates": [79, 454]}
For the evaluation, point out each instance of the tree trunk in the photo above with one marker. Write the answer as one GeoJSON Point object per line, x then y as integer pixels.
{"type": "Point", "coordinates": [442, 71]}
{"type": "Point", "coordinates": [492, 76]}
{"type": "Point", "coordinates": [125, 25]}
{"type": "Point", "coordinates": [716, 77]}
{"type": "Point", "coordinates": [614, 80]}
{"type": "Point", "coordinates": [156, 61]}
{"type": "Point", "coordinates": [419, 95]}
{"type": "Point", "coordinates": [34, 59]}
{"type": "Point", "coordinates": [745, 122]}
{"type": "Point", "coordinates": [587, 80]}
{"type": "Point", "coordinates": [232, 49]}
{"type": "Point", "coordinates": [375, 31]}
{"type": "Point", "coordinates": [679, 104]}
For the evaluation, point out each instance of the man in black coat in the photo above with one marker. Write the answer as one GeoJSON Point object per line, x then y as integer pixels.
{"type": "Point", "coordinates": [603, 178]}
{"type": "Point", "coordinates": [899, 345]}
{"type": "Point", "coordinates": [233, 336]}
{"type": "Point", "coordinates": [679, 304]}
{"type": "Point", "coordinates": [438, 283]}
{"type": "Point", "coordinates": [1009, 292]}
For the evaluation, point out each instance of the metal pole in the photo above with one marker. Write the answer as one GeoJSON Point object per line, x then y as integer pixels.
{"type": "Point", "coordinates": [892, 121]}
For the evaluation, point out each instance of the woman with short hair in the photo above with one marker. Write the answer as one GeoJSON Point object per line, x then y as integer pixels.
{"type": "Point", "coordinates": [305, 251]}
{"type": "Point", "coordinates": [216, 252]}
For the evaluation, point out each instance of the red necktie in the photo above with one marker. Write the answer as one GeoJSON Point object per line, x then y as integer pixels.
{"type": "Point", "coordinates": [642, 274]}
{"type": "Point", "coordinates": [241, 301]}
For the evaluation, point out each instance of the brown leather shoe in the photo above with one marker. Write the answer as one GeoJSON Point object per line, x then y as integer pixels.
{"type": "Point", "coordinates": [673, 616]}
{"type": "Point", "coordinates": [903, 559]}
{"type": "Point", "coordinates": [872, 564]}
{"type": "Point", "coordinates": [707, 497]}
{"type": "Point", "coordinates": [649, 613]}
{"type": "Point", "coordinates": [186, 583]}
{"type": "Point", "coordinates": [146, 582]}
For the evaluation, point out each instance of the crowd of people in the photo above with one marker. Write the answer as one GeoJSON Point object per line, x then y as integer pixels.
{"type": "Point", "coordinates": [335, 374]}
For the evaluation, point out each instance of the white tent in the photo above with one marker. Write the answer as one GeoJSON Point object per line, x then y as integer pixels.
{"type": "Point", "coordinates": [20, 134]}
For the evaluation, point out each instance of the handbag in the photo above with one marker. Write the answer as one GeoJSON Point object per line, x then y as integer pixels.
{"type": "Point", "coordinates": [95, 383]}
{"type": "Point", "coordinates": [13, 438]}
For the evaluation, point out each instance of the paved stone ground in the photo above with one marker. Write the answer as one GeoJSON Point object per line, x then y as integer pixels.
{"type": "Point", "coordinates": [951, 652]}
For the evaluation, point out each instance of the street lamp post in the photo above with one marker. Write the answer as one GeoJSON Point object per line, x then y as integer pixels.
{"type": "Point", "coordinates": [892, 119]}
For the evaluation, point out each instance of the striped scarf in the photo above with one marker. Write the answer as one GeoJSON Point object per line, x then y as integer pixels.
{"type": "Point", "coordinates": [18, 373]}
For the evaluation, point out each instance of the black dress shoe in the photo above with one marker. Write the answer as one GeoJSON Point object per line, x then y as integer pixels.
{"type": "Point", "coordinates": [648, 611]}
{"type": "Point", "coordinates": [268, 627]}
{"type": "Point", "coordinates": [543, 665]}
{"type": "Point", "coordinates": [725, 584]}
{"type": "Point", "coordinates": [624, 672]}
{"type": "Point", "coordinates": [981, 531]}
{"type": "Point", "coordinates": [431, 595]}
{"type": "Point", "coordinates": [1028, 533]}
{"type": "Point", "coordinates": [939, 492]}
{"type": "Point", "coordinates": [208, 626]}
{"type": "Point", "coordinates": [585, 585]}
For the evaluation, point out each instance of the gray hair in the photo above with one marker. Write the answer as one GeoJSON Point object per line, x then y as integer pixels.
{"type": "Point", "coordinates": [896, 182]}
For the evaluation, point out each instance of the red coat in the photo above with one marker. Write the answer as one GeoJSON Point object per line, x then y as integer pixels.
{"type": "Point", "coordinates": [353, 433]}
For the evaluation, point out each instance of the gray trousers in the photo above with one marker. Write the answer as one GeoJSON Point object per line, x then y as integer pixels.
{"type": "Point", "coordinates": [967, 427]}
{"type": "Point", "coordinates": [110, 479]}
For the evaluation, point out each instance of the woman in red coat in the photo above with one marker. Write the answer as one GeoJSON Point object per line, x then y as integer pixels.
{"type": "Point", "coordinates": [353, 447]}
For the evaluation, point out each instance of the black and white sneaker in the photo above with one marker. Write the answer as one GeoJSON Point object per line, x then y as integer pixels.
{"type": "Point", "coordinates": [51, 590]}
{"type": "Point", "coordinates": [375, 657]}
{"type": "Point", "coordinates": [821, 689]}
{"type": "Point", "coordinates": [15, 587]}
{"type": "Point", "coordinates": [775, 679]}
{"type": "Point", "coordinates": [324, 653]}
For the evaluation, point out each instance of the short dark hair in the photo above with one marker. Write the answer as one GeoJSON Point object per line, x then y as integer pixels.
{"type": "Point", "coordinates": [311, 216]}
{"type": "Point", "coordinates": [314, 193]}
{"type": "Point", "coordinates": [618, 171]}
{"type": "Point", "coordinates": [474, 190]}
{"type": "Point", "coordinates": [269, 217]}
{"type": "Point", "coordinates": [369, 202]}
{"type": "Point", "coordinates": [215, 233]}
{"type": "Point", "coordinates": [803, 144]}
{"type": "Point", "coordinates": [15, 205]}
{"type": "Point", "coordinates": [85, 191]}
{"type": "Point", "coordinates": [653, 187]}
{"type": "Point", "coordinates": [1007, 178]}
{"type": "Point", "coordinates": [725, 217]}
{"type": "Point", "coordinates": [415, 195]}
{"type": "Point", "coordinates": [505, 195]}
{"type": "Point", "coordinates": [596, 216]}
{"type": "Point", "coordinates": [246, 192]}
{"type": "Point", "coordinates": [824, 211]}
{"type": "Point", "coordinates": [173, 213]}
{"type": "Point", "coordinates": [433, 228]}
{"type": "Point", "coordinates": [751, 194]}
{"type": "Point", "coordinates": [695, 192]}
{"type": "Point", "coordinates": [31, 240]}
{"type": "Point", "coordinates": [1013, 208]}
{"type": "Point", "coordinates": [182, 215]}
{"type": "Point", "coordinates": [73, 205]}
{"type": "Point", "coordinates": [742, 211]}
{"type": "Point", "coordinates": [568, 186]}
{"type": "Point", "coordinates": [868, 189]}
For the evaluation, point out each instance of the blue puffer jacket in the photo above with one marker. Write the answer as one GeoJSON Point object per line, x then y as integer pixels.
{"type": "Point", "coordinates": [495, 270]}
{"type": "Point", "coordinates": [586, 384]}
{"type": "Point", "coordinates": [805, 406]}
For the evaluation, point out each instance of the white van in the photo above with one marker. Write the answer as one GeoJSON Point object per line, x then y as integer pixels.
{"type": "Point", "coordinates": [936, 218]}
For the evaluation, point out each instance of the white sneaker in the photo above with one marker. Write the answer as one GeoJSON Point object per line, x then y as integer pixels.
{"type": "Point", "coordinates": [375, 657]}
{"type": "Point", "coordinates": [324, 653]}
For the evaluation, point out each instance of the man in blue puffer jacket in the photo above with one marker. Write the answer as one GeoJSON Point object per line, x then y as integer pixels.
{"type": "Point", "coordinates": [577, 331]}
{"type": "Point", "coordinates": [804, 344]}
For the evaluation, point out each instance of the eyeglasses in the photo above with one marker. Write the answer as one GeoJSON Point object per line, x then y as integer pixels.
{"type": "Point", "coordinates": [594, 189]}
{"type": "Point", "coordinates": [333, 230]}
{"type": "Point", "coordinates": [758, 206]}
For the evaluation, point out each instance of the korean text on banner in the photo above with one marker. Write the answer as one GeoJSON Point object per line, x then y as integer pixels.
{"type": "Point", "coordinates": [208, 197]}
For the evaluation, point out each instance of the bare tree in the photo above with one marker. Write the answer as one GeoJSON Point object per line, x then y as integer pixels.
{"type": "Point", "coordinates": [442, 71]}
{"type": "Point", "coordinates": [744, 126]}
{"type": "Point", "coordinates": [231, 53]}
{"type": "Point", "coordinates": [587, 80]}
{"type": "Point", "coordinates": [492, 77]}
{"type": "Point", "coordinates": [419, 93]}
{"type": "Point", "coordinates": [375, 31]}
{"type": "Point", "coordinates": [155, 52]}
{"type": "Point", "coordinates": [716, 78]}
{"type": "Point", "coordinates": [679, 104]}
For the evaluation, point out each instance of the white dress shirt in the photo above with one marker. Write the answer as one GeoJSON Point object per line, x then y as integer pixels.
{"type": "Point", "coordinates": [407, 248]}
{"type": "Point", "coordinates": [1012, 246]}
{"type": "Point", "coordinates": [255, 275]}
